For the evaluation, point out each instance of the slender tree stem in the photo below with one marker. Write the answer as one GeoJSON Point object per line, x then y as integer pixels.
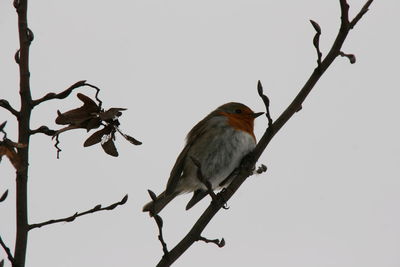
{"type": "Point", "coordinates": [25, 38]}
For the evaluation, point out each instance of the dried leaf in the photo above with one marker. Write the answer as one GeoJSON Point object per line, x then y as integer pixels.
{"type": "Point", "coordinates": [79, 115]}
{"type": "Point", "coordinates": [129, 138]}
{"type": "Point", "coordinates": [4, 196]}
{"type": "Point", "coordinates": [109, 148]}
{"type": "Point", "coordinates": [93, 123]}
{"type": "Point", "coordinates": [74, 116]}
{"type": "Point", "coordinates": [132, 140]}
{"type": "Point", "coordinates": [97, 136]}
{"type": "Point", "coordinates": [111, 114]}
{"type": "Point", "coordinates": [88, 102]}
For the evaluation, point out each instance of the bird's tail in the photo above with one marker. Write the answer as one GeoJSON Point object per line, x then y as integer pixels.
{"type": "Point", "coordinates": [155, 206]}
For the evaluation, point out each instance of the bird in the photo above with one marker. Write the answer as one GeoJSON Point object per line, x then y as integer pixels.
{"type": "Point", "coordinates": [216, 145]}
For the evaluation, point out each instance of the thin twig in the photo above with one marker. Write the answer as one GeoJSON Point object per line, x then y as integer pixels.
{"type": "Point", "coordinates": [360, 14]}
{"type": "Point", "coordinates": [7, 250]}
{"type": "Point", "coordinates": [76, 215]}
{"type": "Point", "coordinates": [6, 105]}
{"type": "Point", "coordinates": [159, 222]}
{"type": "Point", "coordinates": [60, 95]}
{"type": "Point", "coordinates": [56, 145]}
{"type": "Point", "coordinates": [97, 93]}
{"type": "Point", "coordinates": [44, 130]}
{"type": "Point", "coordinates": [351, 57]}
{"type": "Point", "coordinates": [67, 92]}
{"type": "Point", "coordinates": [219, 243]}
{"type": "Point", "coordinates": [317, 29]}
{"type": "Point", "coordinates": [266, 101]}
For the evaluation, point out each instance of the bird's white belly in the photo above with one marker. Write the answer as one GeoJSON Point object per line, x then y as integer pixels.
{"type": "Point", "coordinates": [219, 157]}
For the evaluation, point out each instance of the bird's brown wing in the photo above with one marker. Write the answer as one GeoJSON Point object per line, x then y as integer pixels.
{"type": "Point", "coordinates": [176, 171]}
{"type": "Point", "coordinates": [191, 138]}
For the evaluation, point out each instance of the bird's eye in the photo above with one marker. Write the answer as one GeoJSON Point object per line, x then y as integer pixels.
{"type": "Point", "coordinates": [238, 111]}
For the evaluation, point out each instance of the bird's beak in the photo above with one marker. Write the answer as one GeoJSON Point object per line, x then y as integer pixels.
{"type": "Point", "coordinates": [255, 115]}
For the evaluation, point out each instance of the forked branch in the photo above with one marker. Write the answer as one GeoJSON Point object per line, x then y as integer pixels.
{"type": "Point", "coordinates": [246, 167]}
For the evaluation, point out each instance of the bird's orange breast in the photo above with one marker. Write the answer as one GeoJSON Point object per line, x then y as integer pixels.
{"type": "Point", "coordinates": [241, 122]}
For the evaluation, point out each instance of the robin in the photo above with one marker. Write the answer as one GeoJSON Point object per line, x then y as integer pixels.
{"type": "Point", "coordinates": [216, 144]}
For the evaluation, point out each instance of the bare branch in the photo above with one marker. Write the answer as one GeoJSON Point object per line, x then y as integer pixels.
{"type": "Point", "coordinates": [44, 130]}
{"type": "Point", "coordinates": [61, 95]}
{"type": "Point", "coordinates": [246, 167]}
{"type": "Point", "coordinates": [7, 250]}
{"type": "Point", "coordinates": [71, 218]}
{"type": "Point", "coordinates": [6, 105]}
{"type": "Point", "coordinates": [360, 14]}
{"type": "Point", "coordinates": [21, 189]}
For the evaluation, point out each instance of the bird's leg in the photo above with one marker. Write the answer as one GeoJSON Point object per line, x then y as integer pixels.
{"type": "Point", "coordinates": [222, 199]}
{"type": "Point", "coordinates": [215, 198]}
{"type": "Point", "coordinates": [210, 191]}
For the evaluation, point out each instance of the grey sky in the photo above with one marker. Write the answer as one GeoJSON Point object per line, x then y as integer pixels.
{"type": "Point", "coordinates": [331, 193]}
